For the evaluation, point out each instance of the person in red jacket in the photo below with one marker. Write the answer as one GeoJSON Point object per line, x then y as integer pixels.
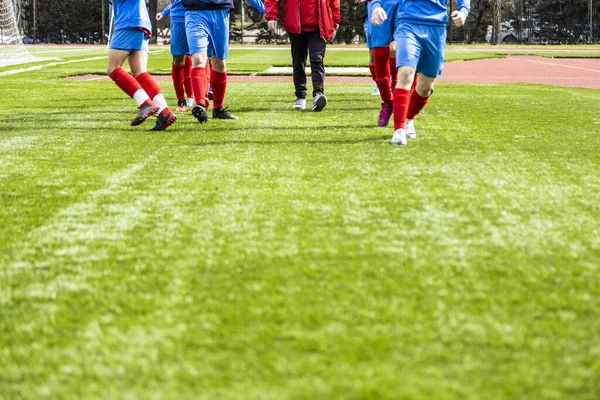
{"type": "Point", "coordinates": [309, 24]}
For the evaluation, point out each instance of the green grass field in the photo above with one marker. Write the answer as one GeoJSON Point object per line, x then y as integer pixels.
{"type": "Point", "coordinates": [297, 255]}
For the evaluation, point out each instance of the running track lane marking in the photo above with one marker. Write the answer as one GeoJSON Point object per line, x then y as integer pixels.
{"type": "Point", "coordinates": [553, 64]}
{"type": "Point", "coordinates": [38, 67]}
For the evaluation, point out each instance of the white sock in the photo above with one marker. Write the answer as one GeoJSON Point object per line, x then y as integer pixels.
{"type": "Point", "coordinates": [140, 96]}
{"type": "Point", "coordinates": [160, 101]}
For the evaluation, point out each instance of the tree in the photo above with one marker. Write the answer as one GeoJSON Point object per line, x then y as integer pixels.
{"type": "Point", "coordinates": [496, 21]}
{"type": "Point", "coordinates": [152, 9]}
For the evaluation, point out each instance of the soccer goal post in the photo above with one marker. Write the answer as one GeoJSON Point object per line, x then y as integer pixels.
{"type": "Point", "coordinates": [12, 50]}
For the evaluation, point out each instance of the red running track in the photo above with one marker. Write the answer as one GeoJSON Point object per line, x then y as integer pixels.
{"type": "Point", "coordinates": [571, 72]}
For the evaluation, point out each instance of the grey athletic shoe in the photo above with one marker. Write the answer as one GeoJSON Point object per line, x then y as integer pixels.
{"type": "Point", "coordinates": [319, 102]}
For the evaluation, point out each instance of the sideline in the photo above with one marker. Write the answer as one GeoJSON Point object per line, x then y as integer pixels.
{"type": "Point", "coordinates": [38, 67]}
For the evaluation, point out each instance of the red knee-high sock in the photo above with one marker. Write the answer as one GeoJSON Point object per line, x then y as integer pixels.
{"type": "Point", "coordinates": [148, 85]}
{"type": "Point", "coordinates": [153, 91]}
{"type": "Point", "coordinates": [219, 85]}
{"type": "Point", "coordinates": [372, 69]}
{"type": "Point", "coordinates": [401, 100]}
{"type": "Point", "coordinates": [208, 75]}
{"type": "Point", "coordinates": [393, 72]}
{"type": "Point", "coordinates": [178, 79]}
{"type": "Point", "coordinates": [415, 81]}
{"type": "Point", "coordinates": [125, 82]}
{"type": "Point", "coordinates": [199, 84]}
{"type": "Point", "coordinates": [381, 56]}
{"type": "Point", "coordinates": [187, 76]}
{"type": "Point", "coordinates": [416, 104]}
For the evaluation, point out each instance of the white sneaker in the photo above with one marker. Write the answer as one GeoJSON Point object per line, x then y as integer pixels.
{"type": "Point", "coordinates": [189, 102]}
{"type": "Point", "coordinates": [410, 129]}
{"type": "Point", "coordinates": [399, 137]}
{"type": "Point", "coordinates": [299, 104]}
{"type": "Point", "coordinates": [375, 91]}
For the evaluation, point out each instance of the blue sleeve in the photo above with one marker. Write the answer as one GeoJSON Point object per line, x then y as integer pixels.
{"type": "Point", "coordinates": [167, 11]}
{"type": "Point", "coordinates": [375, 3]}
{"type": "Point", "coordinates": [258, 4]}
{"type": "Point", "coordinates": [464, 6]}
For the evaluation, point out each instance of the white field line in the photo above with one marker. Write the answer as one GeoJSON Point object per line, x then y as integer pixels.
{"type": "Point", "coordinates": [38, 67]}
{"type": "Point", "coordinates": [554, 64]}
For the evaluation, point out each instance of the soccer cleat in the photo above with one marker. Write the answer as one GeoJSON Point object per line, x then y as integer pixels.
{"type": "Point", "coordinates": [181, 106]}
{"type": "Point", "coordinates": [319, 102]}
{"type": "Point", "coordinates": [375, 91]}
{"type": "Point", "coordinates": [199, 112]}
{"type": "Point", "coordinates": [189, 102]}
{"type": "Point", "coordinates": [147, 109]}
{"type": "Point", "coordinates": [164, 121]}
{"type": "Point", "coordinates": [399, 137]}
{"type": "Point", "coordinates": [385, 114]}
{"type": "Point", "coordinates": [299, 104]}
{"type": "Point", "coordinates": [210, 94]}
{"type": "Point", "coordinates": [410, 129]}
{"type": "Point", "coordinates": [221, 113]}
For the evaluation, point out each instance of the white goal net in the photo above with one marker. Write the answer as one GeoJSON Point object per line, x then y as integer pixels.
{"type": "Point", "coordinates": [12, 50]}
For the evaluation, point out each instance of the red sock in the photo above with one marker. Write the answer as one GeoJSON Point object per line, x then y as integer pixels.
{"type": "Point", "coordinates": [372, 69]}
{"type": "Point", "coordinates": [381, 56]}
{"type": "Point", "coordinates": [125, 82]}
{"type": "Point", "coordinates": [416, 104]}
{"type": "Point", "coordinates": [148, 85]}
{"type": "Point", "coordinates": [401, 100]}
{"type": "Point", "coordinates": [393, 70]}
{"type": "Point", "coordinates": [177, 75]}
{"type": "Point", "coordinates": [199, 84]}
{"type": "Point", "coordinates": [208, 75]}
{"type": "Point", "coordinates": [187, 73]}
{"type": "Point", "coordinates": [415, 81]}
{"type": "Point", "coordinates": [219, 85]}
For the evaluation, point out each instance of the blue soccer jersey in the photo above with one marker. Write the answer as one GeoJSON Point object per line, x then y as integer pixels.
{"type": "Point", "coordinates": [175, 10]}
{"type": "Point", "coordinates": [429, 12]}
{"type": "Point", "coordinates": [131, 14]}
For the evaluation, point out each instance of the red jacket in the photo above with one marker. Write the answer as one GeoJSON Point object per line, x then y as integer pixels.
{"type": "Point", "coordinates": [328, 12]}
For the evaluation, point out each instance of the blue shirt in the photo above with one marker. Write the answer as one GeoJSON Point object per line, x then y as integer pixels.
{"type": "Point", "coordinates": [175, 10]}
{"type": "Point", "coordinates": [427, 12]}
{"type": "Point", "coordinates": [131, 14]}
{"type": "Point", "coordinates": [192, 5]}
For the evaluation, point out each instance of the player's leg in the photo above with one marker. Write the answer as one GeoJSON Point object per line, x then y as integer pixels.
{"type": "Point", "coordinates": [299, 49]}
{"type": "Point", "coordinates": [120, 47]}
{"type": "Point", "coordinates": [187, 80]}
{"type": "Point", "coordinates": [408, 51]}
{"type": "Point", "coordinates": [138, 61]}
{"type": "Point", "coordinates": [316, 47]}
{"type": "Point", "coordinates": [393, 70]}
{"type": "Point", "coordinates": [179, 48]}
{"type": "Point", "coordinates": [430, 66]}
{"type": "Point", "coordinates": [209, 68]}
{"type": "Point", "coordinates": [381, 37]}
{"type": "Point", "coordinates": [177, 75]}
{"type": "Point", "coordinates": [367, 29]}
{"type": "Point", "coordinates": [196, 23]}
{"type": "Point", "coordinates": [219, 39]}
